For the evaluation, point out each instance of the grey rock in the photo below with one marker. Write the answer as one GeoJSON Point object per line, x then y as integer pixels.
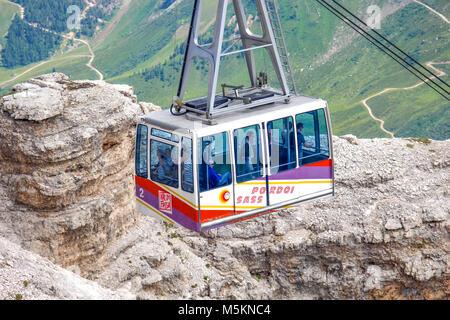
{"type": "Point", "coordinates": [393, 224]}
{"type": "Point", "coordinates": [66, 150]}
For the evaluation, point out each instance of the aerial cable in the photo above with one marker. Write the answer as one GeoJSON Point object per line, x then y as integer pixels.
{"type": "Point", "coordinates": [399, 60]}
{"type": "Point", "coordinates": [384, 38]}
{"type": "Point", "coordinates": [391, 50]}
{"type": "Point", "coordinates": [403, 60]}
{"type": "Point", "coordinates": [362, 32]}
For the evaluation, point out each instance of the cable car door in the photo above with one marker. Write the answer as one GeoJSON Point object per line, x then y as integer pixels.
{"type": "Point", "coordinates": [281, 151]}
{"type": "Point", "coordinates": [215, 177]}
{"type": "Point", "coordinates": [251, 186]}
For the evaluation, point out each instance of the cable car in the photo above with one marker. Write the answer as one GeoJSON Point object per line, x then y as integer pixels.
{"type": "Point", "coordinates": [232, 156]}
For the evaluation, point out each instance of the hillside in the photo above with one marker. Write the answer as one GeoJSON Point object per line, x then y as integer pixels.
{"type": "Point", "coordinates": [67, 194]}
{"type": "Point", "coordinates": [142, 45]}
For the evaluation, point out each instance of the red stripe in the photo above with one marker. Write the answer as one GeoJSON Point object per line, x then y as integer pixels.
{"type": "Point", "coordinates": [324, 163]}
{"type": "Point", "coordinates": [177, 203]}
{"type": "Point", "coordinates": [208, 215]}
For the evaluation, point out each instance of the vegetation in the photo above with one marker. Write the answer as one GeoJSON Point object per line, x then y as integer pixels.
{"type": "Point", "coordinates": [49, 14]}
{"type": "Point", "coordinates": [7, 12]}
{"type": "Point", "coordinates": [26, 44]}
{"type": "Point", "coordinates": [146, 49]}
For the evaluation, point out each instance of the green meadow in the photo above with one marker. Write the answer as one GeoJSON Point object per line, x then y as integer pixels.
{"type": "Point", "coordinates": [329, 61]}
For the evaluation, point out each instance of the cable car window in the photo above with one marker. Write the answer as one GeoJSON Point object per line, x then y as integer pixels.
{"type": "Point", "coordinates": [247, 150]}
{"type": "Point", "coordinates": [141, 151]}
{"type": "Point", "coordinates": [164, 163]}
{"type": "Point", "coordinates": [280, 134]}
{"type": "Point", "coordinates": [187, 175]}
{"type": "Point", "coordinates": [165, 135]}
{"type": "Point", "coordinates": [312, 137]}
{"type": "Point", "coordinates": [214, 168]}
{"type": "Point", "coordinates": [323, 134]}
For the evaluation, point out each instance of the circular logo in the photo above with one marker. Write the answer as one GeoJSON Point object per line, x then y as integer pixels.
{"type": "Point", "coordinates": [224, 196]}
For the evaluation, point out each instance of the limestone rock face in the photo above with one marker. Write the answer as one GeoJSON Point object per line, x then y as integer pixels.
{"type": "Point", "coordinates": [66, 154]}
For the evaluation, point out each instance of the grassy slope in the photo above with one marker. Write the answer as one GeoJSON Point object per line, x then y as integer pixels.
{"type": "Point", "coordinates": [73, 66]}
{"type": "Point", "coordinates": [7, 12]}
{"type": "Point", "coordinates": [356, 72]}
{"type": "Point", "coordinates": [134, 40]}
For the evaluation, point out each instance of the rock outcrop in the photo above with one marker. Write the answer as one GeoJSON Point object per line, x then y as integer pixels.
{"type": "Point", "coordinates": [66, 154]}
{"type": "Point", "coordinates": [66, 192]}
{"type": "Point", "coordinates": [27, 276]}
{"type": "Point", "coordinates": [384, 235]}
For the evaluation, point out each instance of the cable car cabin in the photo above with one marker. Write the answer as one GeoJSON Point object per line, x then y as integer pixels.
{"type": "Point", "coordinates": [247, 163]}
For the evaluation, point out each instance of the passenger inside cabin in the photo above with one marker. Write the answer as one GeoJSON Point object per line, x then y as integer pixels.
{"type": "Point", "coordinates": [270, 136]}
{"type": "Point", "coordinates": [165, 169]}
{"type": "Point", "coordinates": [301, 141]}
{"type": "Point", "coordinates": [160, 170]}
{"type": "Point", "coordinates": [168, 159]}
{"type": "Point", "coordinates": [248, 152]}
{"type": "Point", "coordinates": [215, 179]}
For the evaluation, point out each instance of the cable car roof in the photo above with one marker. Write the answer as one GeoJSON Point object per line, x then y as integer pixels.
{"type": "Point", "coordinates": [165, 120]}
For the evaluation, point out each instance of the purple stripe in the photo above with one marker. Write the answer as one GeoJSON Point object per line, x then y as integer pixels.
{"type": "Point", "coordinates": [176, 215]}
{"type": "Point", "coordinates": [303, 173]}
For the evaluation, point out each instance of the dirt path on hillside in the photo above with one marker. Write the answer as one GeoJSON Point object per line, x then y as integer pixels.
{"type": "Point", "coordinates": [428, 64]}
{"type": "Point", "coordinates": [4, 83]}
{"type": "Point", "coordinates": [432, 10]}
{"type": "Point", "coordinates": [381, 121]}
{"type": "Point", "coordinates": [70, 37]}
{"type": "Point", "coordinates": [89, 64]}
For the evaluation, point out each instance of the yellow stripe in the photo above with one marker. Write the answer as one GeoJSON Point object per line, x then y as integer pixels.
{"type": "Point", "coordinates": [299, 182]}
{"type": "Point", "coordinates": [250, 183]}
{"type": "Point", "coordinates": [220, 207]}
{"type": "Point", "coordinates": [141, 202]}
{"type": "Point", "coordinates": [285, 182]}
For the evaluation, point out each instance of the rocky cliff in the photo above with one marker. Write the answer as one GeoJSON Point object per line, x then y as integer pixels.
{"type": "Point", "coordinates": [66, 153]}
{"type": "Point", "coordinates": [66, 193]}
